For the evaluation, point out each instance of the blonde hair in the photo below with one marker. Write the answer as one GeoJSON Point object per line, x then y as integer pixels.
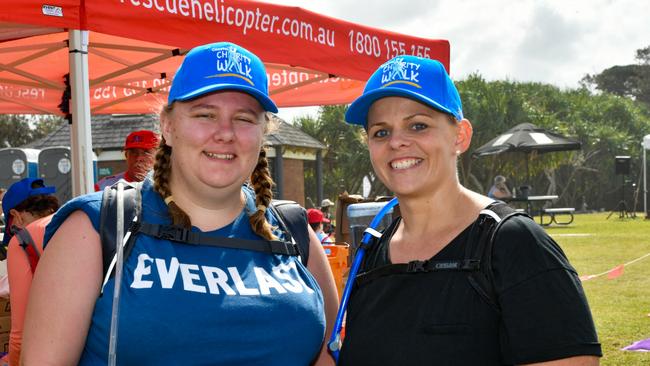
{"type": "Point", "coordinates": [260, 179]}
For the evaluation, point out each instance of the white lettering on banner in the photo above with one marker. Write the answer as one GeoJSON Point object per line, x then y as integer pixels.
{"type": "Point", "coordinates": [283, 278]}
{"type": "Point", "coordinates": [247, 20]}
{"type": "Point", "coordinates": [10, 91]}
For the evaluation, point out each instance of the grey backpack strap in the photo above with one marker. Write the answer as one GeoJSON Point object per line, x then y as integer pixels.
{"type": "Point", "coordinates": [108, 217]}
{"type": "Point", "coordinates": [293, 219]}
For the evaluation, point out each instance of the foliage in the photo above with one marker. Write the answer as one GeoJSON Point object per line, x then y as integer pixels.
{"type": "Point", "coordinates": [18, 130]}
{"type": "Point", "coordinates": [605, 124]}
{"type": "Point", "coordinates": [626, 80]}
{"type": "Point", "coordinates": [346, 161]}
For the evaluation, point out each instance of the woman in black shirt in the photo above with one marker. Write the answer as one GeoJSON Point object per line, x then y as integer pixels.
{"type": "Point", "coordinates": [418, 299]}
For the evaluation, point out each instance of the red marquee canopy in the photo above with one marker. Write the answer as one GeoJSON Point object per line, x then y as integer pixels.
{"type": "Point", "coordinates": [135, 46]}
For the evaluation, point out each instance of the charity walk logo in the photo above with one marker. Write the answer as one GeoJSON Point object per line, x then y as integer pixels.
{"type": "Point", "coordinates": [231, 63]}
{"type": "Point", "coordinates": [399, 71]}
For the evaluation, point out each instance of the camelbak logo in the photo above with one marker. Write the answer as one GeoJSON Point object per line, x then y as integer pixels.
{"type": "Point", "coordinates": [232, 63]}
{"type": "Point", "coordinates": [399, 71]}
{"type": "Point", "coordinates": [51, 10]}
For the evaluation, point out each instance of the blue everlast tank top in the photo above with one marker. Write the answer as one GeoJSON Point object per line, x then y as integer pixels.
{"type": "Point", "coordinates": [197, 305]}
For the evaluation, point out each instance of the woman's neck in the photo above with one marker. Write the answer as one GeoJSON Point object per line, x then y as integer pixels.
{"type": "Point", "coordinates": [209, 209]}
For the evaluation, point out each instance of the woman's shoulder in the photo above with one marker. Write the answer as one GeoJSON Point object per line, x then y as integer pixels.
{"type": "Point", "coordinates": [90, 204]}
{"type": "Point", "coordinates": [522, 247]}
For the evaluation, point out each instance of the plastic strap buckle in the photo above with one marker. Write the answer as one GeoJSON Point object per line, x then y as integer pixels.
{"type": "Point", "coordinates": [416, 266]}
{"type": "Point", "coordinates": [283, 247]}
{"type": "Point", "coordinates": [173, 233]}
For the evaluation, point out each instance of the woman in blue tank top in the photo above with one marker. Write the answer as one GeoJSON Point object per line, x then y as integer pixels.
{"type": "Point", "coordinates": [183, 304]}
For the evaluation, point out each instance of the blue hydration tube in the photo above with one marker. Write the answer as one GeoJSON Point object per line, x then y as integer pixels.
{"type": "Point", "coordinates": [334, 344]}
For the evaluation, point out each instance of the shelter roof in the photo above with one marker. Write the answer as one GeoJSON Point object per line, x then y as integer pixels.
{"type": "Point", "coordinates": [109, 132]}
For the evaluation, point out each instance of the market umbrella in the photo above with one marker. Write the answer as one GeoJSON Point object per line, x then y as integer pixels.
{"type": "Point", "coordinates": [527, 138]}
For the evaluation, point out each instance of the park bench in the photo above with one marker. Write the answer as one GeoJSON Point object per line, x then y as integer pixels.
{"type": "Point", "coordinates": [553, 214]}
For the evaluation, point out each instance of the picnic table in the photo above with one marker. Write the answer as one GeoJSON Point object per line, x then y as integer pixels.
{"type": "Point", "coordinates": [530, 201]}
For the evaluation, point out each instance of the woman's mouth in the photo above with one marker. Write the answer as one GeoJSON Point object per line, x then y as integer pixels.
{"type": "Point", "coordinates": [219, 156]}
{"type": "Point", "coordinates": [404, 163]}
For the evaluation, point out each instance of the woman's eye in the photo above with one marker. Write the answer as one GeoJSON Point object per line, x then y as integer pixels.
{"type": "Point", "coordinates": [419, 126]}
{"type": "Point", "coordinates": [380, 133]}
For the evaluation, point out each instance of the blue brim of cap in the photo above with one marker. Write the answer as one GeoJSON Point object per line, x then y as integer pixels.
{"type": "Point", "coordinates": [264, 100]}
{"type": "Point", "coordinates": [43, 190]}
{"type": "Point", "coordinates": [357, 113]}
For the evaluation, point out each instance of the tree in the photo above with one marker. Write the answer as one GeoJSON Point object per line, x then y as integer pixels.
{"type": "Point", "coordinates": [626, 80]}
{"type": "Point", "coordinates": [14, 130]}
{"type": "Point", "coordinates": [18, 130]}
{"type": "Point", "coordinates": [346, 161]}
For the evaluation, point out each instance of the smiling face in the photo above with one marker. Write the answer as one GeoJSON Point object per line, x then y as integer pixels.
{"type": "Point", "coordinates": [215, 140]}
{"type": "Point", "coordinates": [413, 148]}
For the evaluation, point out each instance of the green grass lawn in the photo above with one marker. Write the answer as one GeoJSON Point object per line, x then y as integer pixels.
{"type": "Point", "coordinates": [621, 306]}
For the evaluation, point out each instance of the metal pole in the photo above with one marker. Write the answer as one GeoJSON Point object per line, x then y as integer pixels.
{"type": "Point", "coordinates": [80, 135]}
{"type": "Point", "coordinates": [319, 177]}
{"type": "Point", "coordinates": [645, 186]}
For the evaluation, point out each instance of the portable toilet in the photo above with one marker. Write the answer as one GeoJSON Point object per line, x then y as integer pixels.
{"type": "Point", "coordinates": [55, 168]}
{"type": "Point", "coordinates": [360, 215]}
{"type": "Point", "coordinates": [16, 164]}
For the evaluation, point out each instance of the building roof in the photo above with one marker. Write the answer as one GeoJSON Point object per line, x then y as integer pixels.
{"type": "Point", "coordinates": [288, 135]}
{"type": "Point", "coordinates": [109, 132]}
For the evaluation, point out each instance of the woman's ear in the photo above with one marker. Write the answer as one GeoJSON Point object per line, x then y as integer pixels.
{"type": "Point", "coordinates": [463, 135]}
{"type": "Point", "coordinates": [16, 218]}
{"type": "Point", "coordinates": [166, 128]}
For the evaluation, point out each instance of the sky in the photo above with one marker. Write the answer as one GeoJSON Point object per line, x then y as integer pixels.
{"type": "Point", "coordinates": [551, 41]}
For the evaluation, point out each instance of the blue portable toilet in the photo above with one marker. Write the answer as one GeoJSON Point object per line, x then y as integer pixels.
{"type": "Point", "coordinates": [16, 164]}
{"type": "Point", "coordinates": [55, 168]}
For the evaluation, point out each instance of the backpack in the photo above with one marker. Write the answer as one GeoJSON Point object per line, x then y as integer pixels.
{"type": "Point", "coordinates": [477, 260]}
{"type": "Point", "coordinates": [290, 215]}
{"type": "Point", "coordinates": [27, 243]}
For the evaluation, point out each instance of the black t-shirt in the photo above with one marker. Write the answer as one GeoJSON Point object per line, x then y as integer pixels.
{"type": "Point", "coordinates": [437, 318]}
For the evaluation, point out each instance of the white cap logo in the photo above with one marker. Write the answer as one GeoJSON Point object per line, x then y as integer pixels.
{"type": "Point", "coordinates": [399, 71]}
{"type": "Point", "coordinates": [232, 63]}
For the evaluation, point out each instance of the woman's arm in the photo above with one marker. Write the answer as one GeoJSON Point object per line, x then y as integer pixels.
{"type": "Point", "coordinates": [63, 294]}
{"type": "Point", "coordinates": [20, 278]}
{"type": "Point", "coordinates": [320, 269]}
{"type": "Point", "coordinates": [571, 361]}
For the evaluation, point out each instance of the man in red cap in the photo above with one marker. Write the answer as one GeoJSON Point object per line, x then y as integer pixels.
{"type": "Point", "coordinates": [316, 220]}
{"type": "Point", "coordinates": [140, 150]}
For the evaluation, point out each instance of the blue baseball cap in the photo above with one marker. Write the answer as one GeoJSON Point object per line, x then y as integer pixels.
{"type": "Point", "coordinates": [221, 66]}
{"type": "Point", "coordinates": [421, 79]}
{"type": "Point", "coordinates": [16, 194]}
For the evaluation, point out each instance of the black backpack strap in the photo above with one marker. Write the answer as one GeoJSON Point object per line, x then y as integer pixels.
{"type": "Point", "coordinates": [293, 219]}
{"type": "Point", "coordinates": [414, 267]}
{"type": "Point", "coordinates": [480, 247]}
{"type": "Point", "coordinates": [185, 236]}
{"type": "Point", "coordinates": [108, 218]}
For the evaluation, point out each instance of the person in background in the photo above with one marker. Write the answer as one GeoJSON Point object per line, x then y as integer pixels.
{"type": "Point", "coordinates": [139, 150]}
{"type": "Point", "coordinates": [29, 205]}
{"type": "Point", "coordinates": [413, 302]}
{"type": "Point", "coordinates": [316, 220]}
{"type": "Point", "coordinates": [232, 296]}
{"type": "Point", "coordinates": [326, 207]}
{"type": "Point", "coordinates": [499, 189]}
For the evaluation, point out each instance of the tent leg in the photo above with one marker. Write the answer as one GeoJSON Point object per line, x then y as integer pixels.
{"type": "Point", "coordinates": [645, 187]}
{"type": "Point", "coordinates": [80, 135]}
